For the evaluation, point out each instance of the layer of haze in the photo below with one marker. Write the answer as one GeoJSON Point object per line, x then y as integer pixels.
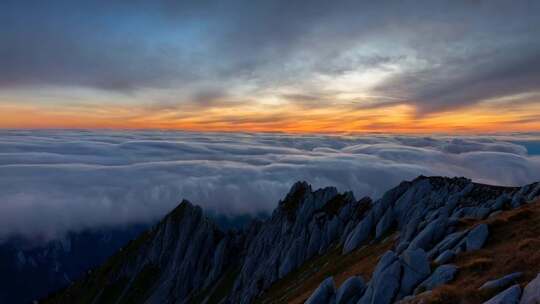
{"type": "Point", "coordinates": [296, 66]}
{"type": "Point", "coordinates": [57, 181]}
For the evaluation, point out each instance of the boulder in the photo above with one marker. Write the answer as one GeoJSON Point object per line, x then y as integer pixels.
{"type": "Point", "coordinates": [385, 223]}
{"type": "Point", "coordinates": [324, 294]}
{"type": "Point", "coordinates": [347, 232]}
{"type": "Point", "coordinates": [509, 296]}
{"type": "Point", "coordinates": [314, 242]}
{"type": "Point", "coordinates": [445, 257]}
{"type": "Point", "coordinates": [494, 214]}
{"type": "Point", "coordinates": [293, 257]}
{"type": "Point", "coordinates": [415, 269]}
{"type": "Point", "coordinates": [502, 282]}
{"type": "Point", "coordinates": [402, 246]}
{"type": "Point", "coordinates": [442, 275]}
{"type": "Point", "coordinates": [534, 192]}
{"type": "Point", "coordinates": [359, 235]}
{"type": "Point", "coordinates": [477, 237]}
{"type": "Point", "coordinates": [409, 231]}
{"type": "Point", "coordinates": [387, 284]}
{"type": "Point", "coordinates": [517, 200]}
{"type": "Point", "coordinates": [450, 241]}
{"type": "Point", "coordinates": [500, 202]}
{"type": "Point", "coordinates": [531, 293]}
{"type": "Point", "coordinates": [388, 258]}
{"type": "Point", "coordinates": [430, 235]}
{"type": "Point", "coordinates": [476, 212]}
{"type": "Point", "coordinates": [350, 291]}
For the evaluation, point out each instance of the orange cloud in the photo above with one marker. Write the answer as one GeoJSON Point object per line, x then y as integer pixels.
{"type": "Point", "coordinates": [287, 117]}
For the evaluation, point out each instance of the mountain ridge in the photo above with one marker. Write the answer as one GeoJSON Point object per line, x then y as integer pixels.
{"type": "Point", "coordinates": [186, 258]}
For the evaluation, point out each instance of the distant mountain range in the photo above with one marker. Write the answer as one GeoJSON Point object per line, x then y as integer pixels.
{"type": "Point", "coordinates": [29, 271]}
{"type": "Point", "coordinates": [413, 245]}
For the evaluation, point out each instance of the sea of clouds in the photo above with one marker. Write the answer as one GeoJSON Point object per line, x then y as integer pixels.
{"type": "Point", "coordinates": [56, 181]}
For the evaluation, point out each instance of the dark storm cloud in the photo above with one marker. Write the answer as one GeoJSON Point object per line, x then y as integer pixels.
{"type": "Point", "coordinates": [101, 44]}
{"type": "Point", "coordinates": [70, 180]}
{"type": "Point", "coordinates": [447, 53]}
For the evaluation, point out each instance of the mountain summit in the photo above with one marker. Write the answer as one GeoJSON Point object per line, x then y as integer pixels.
{"type": "Point", "coordinates": [403, 242]}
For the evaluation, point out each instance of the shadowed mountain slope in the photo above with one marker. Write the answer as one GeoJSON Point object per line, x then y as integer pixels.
{"type": "Point", "coordinates": [186, 258]}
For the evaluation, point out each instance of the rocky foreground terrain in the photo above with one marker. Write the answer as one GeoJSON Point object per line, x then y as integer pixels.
{"type": "Point", "coordinates": [430, 240]}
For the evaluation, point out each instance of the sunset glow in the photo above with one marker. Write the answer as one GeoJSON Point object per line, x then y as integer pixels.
{"type": "Point", "coordinates": [488, 117]}
{"type": "Point", "coordinates": [317, 68]}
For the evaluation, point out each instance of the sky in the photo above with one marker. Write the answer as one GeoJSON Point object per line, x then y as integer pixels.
{"type": "Point", "coordinates": [58, 181]}
{"type": "Point", "coordinates": [281, 66]}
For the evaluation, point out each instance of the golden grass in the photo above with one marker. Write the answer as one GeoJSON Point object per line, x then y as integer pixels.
{"type": "Point", "coordinates": [513, 245]}
{"type": "Point", "coordinates": [296, 287]}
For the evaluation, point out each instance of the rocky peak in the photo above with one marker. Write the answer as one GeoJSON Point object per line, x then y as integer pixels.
{"type": "Point", "coordinates": [289, 205]}
{"type": "Point", "coordinates": [440, 181]}
{"type": "Point", "coordinates": [183, 210]}
{"type": "Point", "coordinates": [305, 224]}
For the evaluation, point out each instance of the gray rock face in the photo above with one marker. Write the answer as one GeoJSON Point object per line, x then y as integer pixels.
{"type": "Point", "coordinates": [350, 291]}
{"type": "Point", "coordinates": [442, 275]}
{"type": "Point", "coordinates": [430, 235]}
{"type": "Point", "coordinates": [477, 237]}
{"type": "Point", "coordinates": [324, 294]}
{"type": "Point", "coordinates": [185, 252]}
{"type": "Point", "coordinates": [385, 283]}
{"type": "Point", "coordinates": [385, 223]}
{"type": "Point", "coordinates": [502, 282]}
{"type": "Point", "coordinates": [359, 235]}
{"type": "Point", "coordinates": [305, 224]}
{"type": "Point", "coordinates": [509, 296]}
{"type": "Point", "coordinates": [531, 293]}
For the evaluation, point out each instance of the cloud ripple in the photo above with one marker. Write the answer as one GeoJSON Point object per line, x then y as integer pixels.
{"type": "Point", "coordinates": [57, 181]}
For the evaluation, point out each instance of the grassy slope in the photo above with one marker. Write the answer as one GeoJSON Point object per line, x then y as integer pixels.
{"type": "Point", "coordinates": [100, 282]}
{"type": "Point", "coordinates": [298, 285]}
{"type": "Point", "coordinates": [513, 245]}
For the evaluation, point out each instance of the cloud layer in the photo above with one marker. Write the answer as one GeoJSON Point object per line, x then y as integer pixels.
{"type": "Point", "coordinates": [57, 181]}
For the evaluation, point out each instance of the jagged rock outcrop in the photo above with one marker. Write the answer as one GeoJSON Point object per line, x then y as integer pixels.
{"type": "Point", "coordinates": [190, 252]}
{"type": "Point", "coordinates": [181, 256]}
{"type": "Point", "coordinates": [188, 259]}
{"type": "Point", "coordinates": [425, 212]}
{"type": "Point", "coordinates": [305, 224]}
